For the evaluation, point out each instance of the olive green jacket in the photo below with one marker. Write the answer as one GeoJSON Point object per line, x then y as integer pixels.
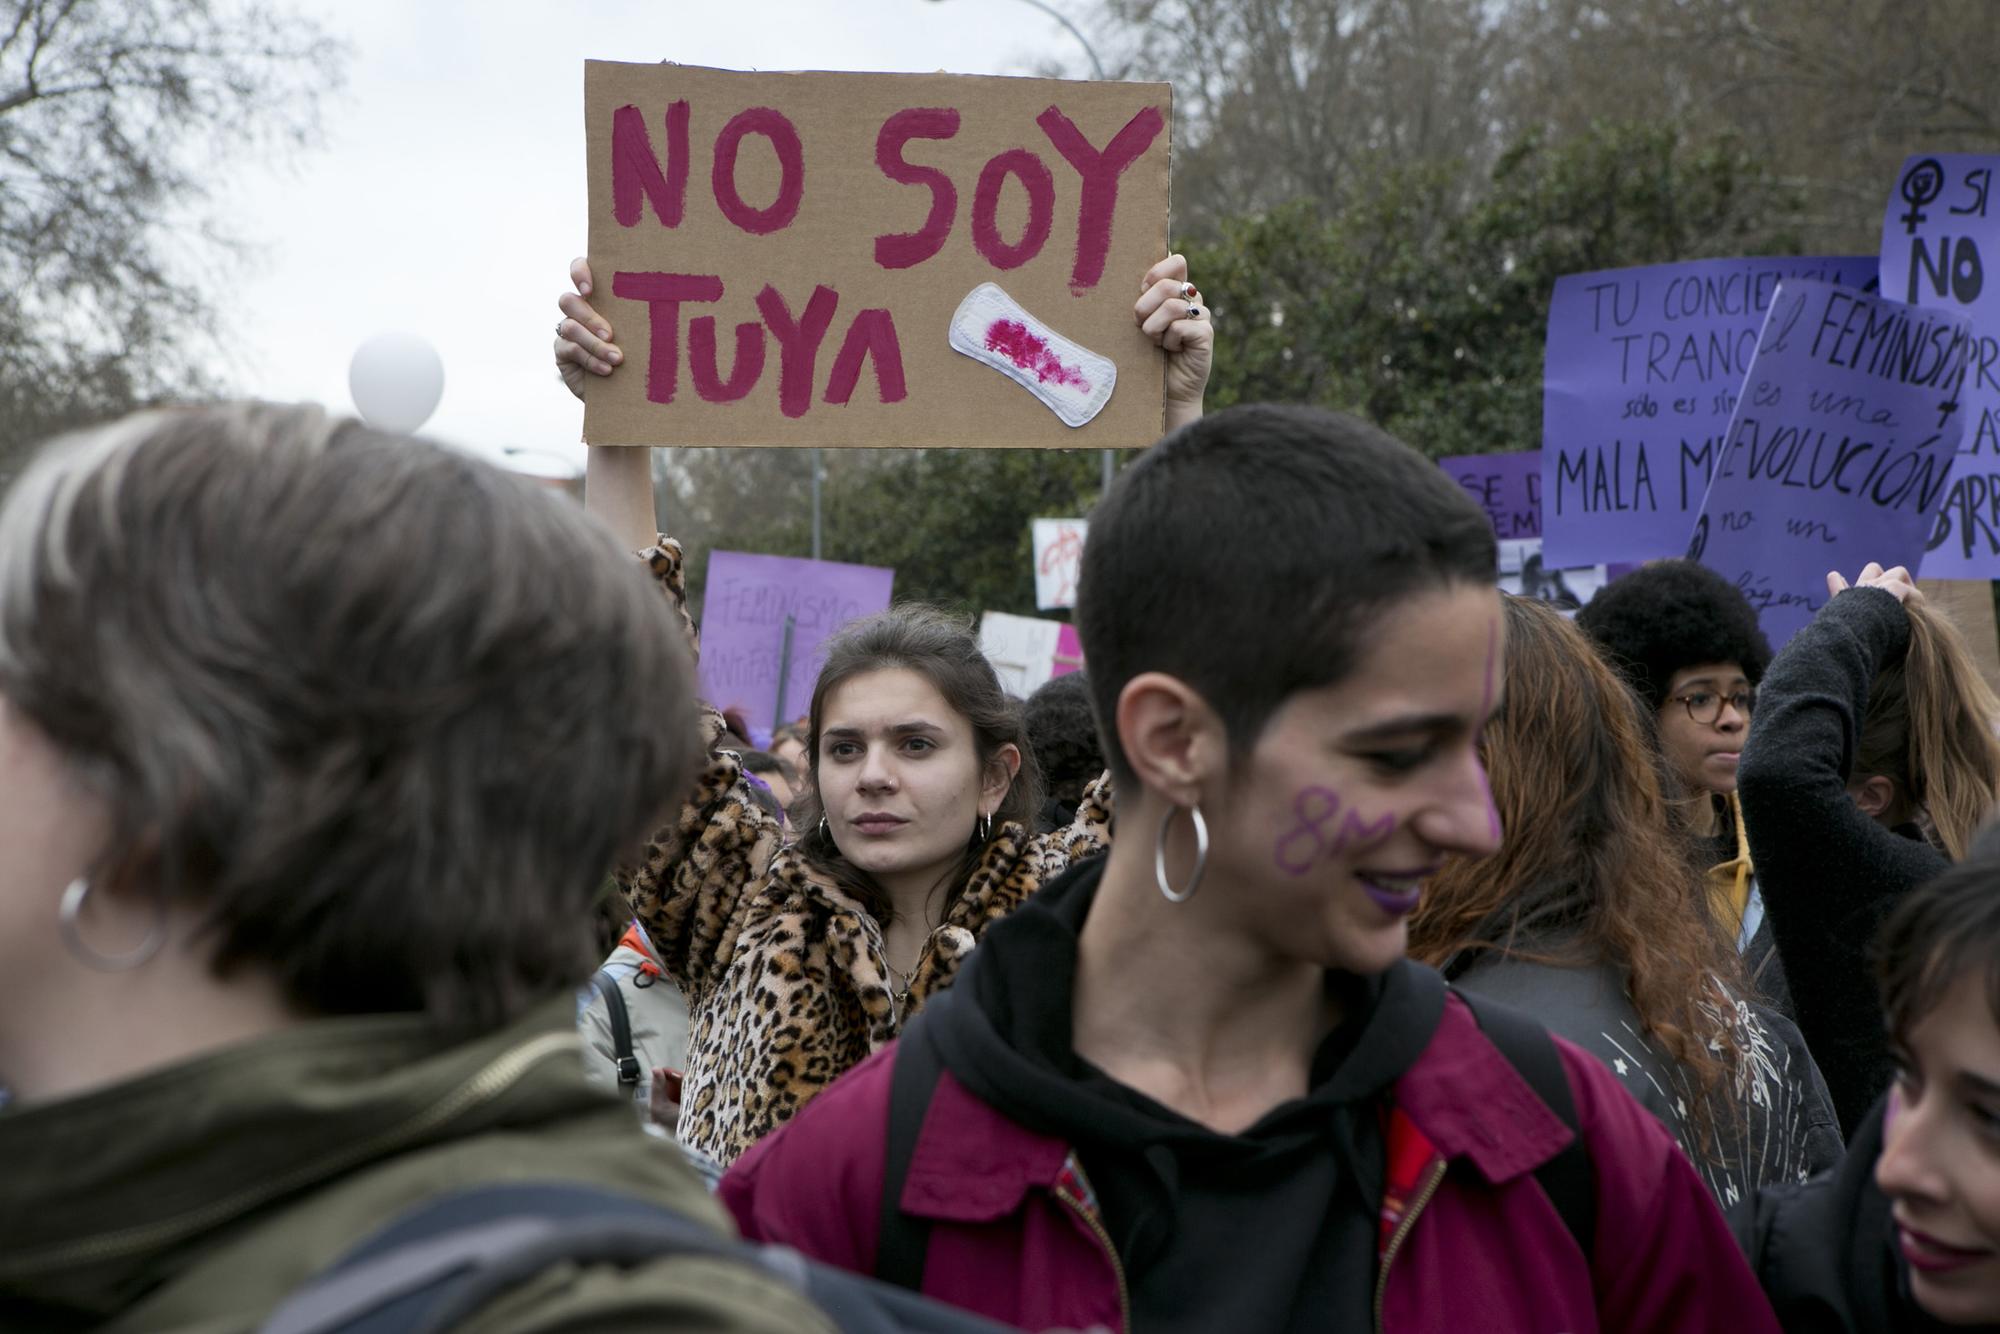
{"type": "Point", "coordinates": [197, 1197]}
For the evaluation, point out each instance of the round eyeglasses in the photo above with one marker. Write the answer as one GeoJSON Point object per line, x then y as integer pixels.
{"type": "Point", "coordinates": [1705, 706]}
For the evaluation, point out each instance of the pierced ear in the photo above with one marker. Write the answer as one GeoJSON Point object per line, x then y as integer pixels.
{"type": "Point", "coordinates": [1171, 737]}
{"type": "Point", "coordinates": [1001, 772]}
{"type": "Point", "coordinates": [1874, 795]}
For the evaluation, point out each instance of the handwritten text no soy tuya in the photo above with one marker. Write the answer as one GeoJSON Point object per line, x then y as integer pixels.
{"type": "Point", "coordinates": [644, 182]}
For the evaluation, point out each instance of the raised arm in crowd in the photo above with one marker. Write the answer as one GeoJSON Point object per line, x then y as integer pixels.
{"type": "Point", "coordinates": [916, 826]}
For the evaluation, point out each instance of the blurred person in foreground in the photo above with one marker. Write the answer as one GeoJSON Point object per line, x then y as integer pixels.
{"type": "Point", "coordinates": [316, 745]}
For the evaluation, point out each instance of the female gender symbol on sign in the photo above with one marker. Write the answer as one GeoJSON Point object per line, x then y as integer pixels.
{"type": "Point", "coordinates": [1922, 184]}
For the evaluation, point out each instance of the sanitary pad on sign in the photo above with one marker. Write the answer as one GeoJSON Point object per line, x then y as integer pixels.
{"type": "Point", "coordinates": [1071, 380]}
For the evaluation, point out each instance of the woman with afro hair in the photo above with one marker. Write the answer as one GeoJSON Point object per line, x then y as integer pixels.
{"type": "Point", "coordinates": [1685, 639]}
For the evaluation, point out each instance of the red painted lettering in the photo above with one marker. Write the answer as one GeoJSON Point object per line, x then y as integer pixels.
{"type": "Point", "coordinates": [663, 294]}
{"type": "Point", "coordinates": [1100, 172]}
{"type": "Point", "coordinates": [784, 139]}
{"type": "Point", "coordinates": [635, 171]}
{"type": "Point", "coordinates": [743, 373]}
{"type": "Point", "coordinates": [902, 250]}
{"type": "Point", "coordinates": [798, 343]}
{"type": "Point", "coordinates": [1034, 176]}
{"type": "Point", "coordinates": [873, 335]}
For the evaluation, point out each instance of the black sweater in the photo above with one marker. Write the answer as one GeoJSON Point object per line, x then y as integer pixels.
{"type": "Point", "coordinates": [1826, 1251]}
{"type": "Point", "coordinates": [1829, 874]}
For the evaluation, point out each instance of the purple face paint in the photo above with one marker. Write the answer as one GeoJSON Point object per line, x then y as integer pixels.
{"type": "Point", "coordinates": [1304, 847]}
{"type": "Point", "coordinates": [1298, 850]}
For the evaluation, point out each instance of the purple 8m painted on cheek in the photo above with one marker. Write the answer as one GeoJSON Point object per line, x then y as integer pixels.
{"type": "Point", "coordinates": [1300, 848]}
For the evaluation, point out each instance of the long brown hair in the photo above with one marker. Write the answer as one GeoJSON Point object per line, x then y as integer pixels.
{"type": "Point", "coordinates": [1589, 869]}
{"type": "Point", "coordinates": [1930, 729]}
{"type": "Point", "coordinates": [942, 649]}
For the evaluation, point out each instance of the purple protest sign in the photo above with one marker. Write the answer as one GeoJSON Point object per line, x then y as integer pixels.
{"type": "Point", "coordinates": [1839, 453]}
{"type": "Point", "coordinates": [1507, 486]}
{"type": "Point", "coordinates": [743, 612]}
{"type": "Point", "coordinates": [1940, 223]}
{"type": "Point", "coordinates": [1642, 371]}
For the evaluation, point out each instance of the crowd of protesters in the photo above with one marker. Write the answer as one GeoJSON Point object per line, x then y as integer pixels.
{"type": "Point", "coordinates": [1349, 944]}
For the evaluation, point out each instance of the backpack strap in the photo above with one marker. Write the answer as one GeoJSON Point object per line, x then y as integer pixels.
{"type": "Point", "coordinates": [1568, 1179]}
{"type": "Point", "coordinates": [447, 1259]}
{"type": "Point", "coordinates": [902, 1241]}
{"type": "Point", "coordinates": [450, 1255]}
{"type": "Point", "coordinates": [627, 1061]}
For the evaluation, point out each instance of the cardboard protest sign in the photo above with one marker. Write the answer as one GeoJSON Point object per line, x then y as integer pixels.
{"type": "Point", "coordinates": [1839, 452]}
{"type": "Point", "coordinates": [1058, 560]}
{"type": "Point", "coordinates": [874, 259]}
{"type": "Point", "coordinates": [1940, 226]}
{"type": "Point", "coordinates": [1022, 650]}
{"type": "Point", "coordinates": [1642, 372]}
{"type": "Point", "coordinates": [745, 608]}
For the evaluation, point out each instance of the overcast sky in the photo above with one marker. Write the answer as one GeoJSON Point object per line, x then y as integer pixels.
{"type": "Point", "coordinates": [448, 198]}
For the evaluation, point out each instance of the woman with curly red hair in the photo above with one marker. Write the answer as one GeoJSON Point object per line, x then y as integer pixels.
{"type": "Point", "coordinates": [1589, 917]}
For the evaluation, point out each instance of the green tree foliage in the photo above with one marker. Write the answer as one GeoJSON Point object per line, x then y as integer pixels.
{"type": "Point", "coordinates": [952, 523]}
{"type": "Point", "coordinates": [1831, 95]}
{"type": "Point", "coordinates": [1429, 317]}
{"type": "Point", "coordinates": [116, 116]}
{"type": "Point", "coordinates": [1283, 100]}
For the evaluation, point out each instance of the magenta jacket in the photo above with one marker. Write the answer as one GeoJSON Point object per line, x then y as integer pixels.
{"type": "Point", "coordinates": [1468, 1240]}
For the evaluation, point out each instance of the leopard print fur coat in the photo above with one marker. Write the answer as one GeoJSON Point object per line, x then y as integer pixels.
{"type": "Point", "coordinates": [785, 974]}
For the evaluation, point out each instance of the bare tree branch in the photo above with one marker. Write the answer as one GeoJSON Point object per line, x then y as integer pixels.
{"type": "Point", "coordinates": [114, 115]}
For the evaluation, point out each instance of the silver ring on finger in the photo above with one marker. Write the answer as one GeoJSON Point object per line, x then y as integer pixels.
{"type": "Point", "coordinates": [559, 327]}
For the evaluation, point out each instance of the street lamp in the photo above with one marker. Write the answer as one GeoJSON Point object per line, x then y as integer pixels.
{"type": "Point", "coordinates": [1097, 72]}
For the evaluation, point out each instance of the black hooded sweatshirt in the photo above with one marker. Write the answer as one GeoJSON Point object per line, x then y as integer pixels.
{"type": "Point", "coordinates": [1273, 1229]}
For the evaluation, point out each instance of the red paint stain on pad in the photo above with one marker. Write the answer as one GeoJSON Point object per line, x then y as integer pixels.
{"type": "Point", "coordinates": [1020, 345]}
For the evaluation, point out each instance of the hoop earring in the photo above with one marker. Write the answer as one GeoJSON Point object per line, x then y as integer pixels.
{"type": "Point", "coordinates": [69, 916]}
{"type": "Point", "coordinates": [1200, 855]}
{"type": "Point", "coordinates": [984, 829]}
{"type": "Point", "coordinates": [822, 825]}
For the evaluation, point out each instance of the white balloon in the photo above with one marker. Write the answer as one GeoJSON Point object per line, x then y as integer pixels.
{"type": "Point", "coordinates": [396, 380]}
